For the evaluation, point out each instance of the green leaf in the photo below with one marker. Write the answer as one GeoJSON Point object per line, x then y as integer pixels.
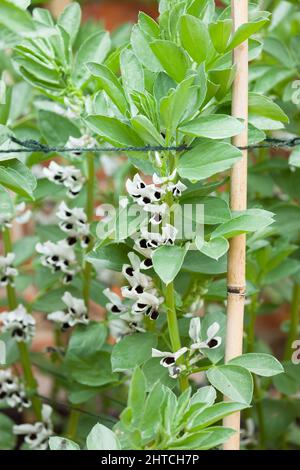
{"type": "Point", "coordinates": [93, 370]}
{"type": "Point", "coordinates": [102, 438]}
{"type": "Point", "coordinates": [152, 411]}
{"type": "Point", "coordinates": [155, 373]}
{"type": "Point", "coordinates": [264, 113]}
{"type": "Point", "coordinates": [222, 77]}
{"type": "Point", "coordinates": [87, 339]}
{"type": "Point", "coordinates": [245, 222]}
{"type": "Point", "coordinates": [213, 414]}
{"type": "Point", "coordinates": [7, 437]}
{"type": "Point", "coordinates": [148, 25]}
{"type": "Point", "coordinates": [112, 256]}
{"type": "Point", "coordinates": [167, 261]}
{"type": "Point", "coordinates": [114, 131]}
{"type": "Point", "coordinates": [16, 18]}
{"type": "Point", "coordinates": [205, 394]}
{"type": "Point", "coordinates": [70, 20]}
{"type": "Point", "coordinates": [193, 32]}
{"type": "Point", "coordinates": [215, 248]}
{"type": "Point", "coordinates": [6, 204]}
{"type": "Point", "coordinates": [233, 381]}
{"type": "Point", "coordinates": [245, 31]}
{"type": "Point", "coordinates": [215, 126]}
{"type": "Point", "coordinates": [110, 84]}
{"type": "Point", "coordinates": [199, 263]}
{"type": "Point", "coordinates": [137, 395]}
{"type": "Point", "coordinates": [258, 363]}
{"type": "Point", "coordinates": [143, 50]}
{"type": "Point", "coordinates": [16, 176]}
{"type": "Point", "coordinates": [94, 49]}
{"type": "Point", "coordinates": [206, 159]}
{"type": "Point", "coordinates": [56, 129]}
{"type": "Point", "coordinates": [132, 72]}
{"type": "Point", "coordinates": [204, 440]}
{"type": "Point", "coordinates": [124, 354]}
{"type": "Point", "coordinates": [220, 33]}
{"type": "Point", "coordinates": [62, 443]}
{"type": "Point", "coordinates": [146, 130]}
{"type": "Point", "coordinates": [216, 210]}
{"type": "Point", "coordinates": [175, 105]}
{"type": "Point", "coordinates": [172, 58]}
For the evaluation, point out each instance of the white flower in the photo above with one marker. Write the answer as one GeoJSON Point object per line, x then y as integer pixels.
{"type": "Point", "coordinates": [37, 434]}
{"type": "Point", "coordinates": [76, 312]}
{"type": "Point", "coordinates": [144, 194]}
{"type": "Point", "coordinates": [68, 176]}
{"type": "Point", "coordinates": [152, 240]}
{"type": "Point", "coordinates": [168, 358]}
{"type": "Point", "coordinates": [168, 184]}
{"type": "Point", "coordinates": [58, 256]}
{"type": "Point", "coordinates": [19, 323]}
{"type": "Point", "coordinates": [115, 305]}
{"type": "Point", "coordinates": [74, 222]}
{"type": "Point", "coordinates": [22, 214]}
{"type": "Point", "coordinates": [12, 391]}
{"type": "Point", "coordinates": [212, 341]}
{"type": "Point", "coordinates": [85, 141]}
{"type": "Point", "coordinates": [162, 180]}
{"type": "Point", "coordinates": [7, 271]}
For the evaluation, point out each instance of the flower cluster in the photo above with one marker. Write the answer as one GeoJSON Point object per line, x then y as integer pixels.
{"type": "Point", "coordinates": [37, 435]}
{"type": "Point", "coordinates": [74, 223]}
{"type": "Point", "coordinates": [12, 391]}
{"type": "Point", "coordinates": [19, 323]}
{"type": "Point", "coordinates": [142, 298]}
{"type": "Point", "coordinates": [196, 350]}
{"type": "Point", "coordinates": [7, 271]}
{"type": "Point", "coordinates": [68, 176]}
{"type": "Point", "coordinates": [75, 313]}
{"type": "Point", "coordinates": [150, 198]}
{"type": "Point", "coordinates": [59, 257]}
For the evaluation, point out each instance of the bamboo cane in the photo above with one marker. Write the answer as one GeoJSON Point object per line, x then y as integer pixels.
{"type": "Point", "coordinates": [238, 201]}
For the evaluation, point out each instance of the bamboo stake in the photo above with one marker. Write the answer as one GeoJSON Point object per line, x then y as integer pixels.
{"type": "Point", "coordinates": [238, 200]}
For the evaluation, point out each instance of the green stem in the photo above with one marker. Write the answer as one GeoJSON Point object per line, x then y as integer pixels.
{"type": "Point", "coordinates": [251, 328]}
{"type": "Point", "coordinates": [73, 424]}
{"type": "Point", "coordinates": [87, 267]}
{"type": "Point", "coordinates": [30, 381]}
{"type": "Point", "coordinates": [257, 390]}
{"type": "Point", "coordinates": [173, 329]}
{"type": "Point", "coordinates": [294, 321]}
{"type": "Point", "coordinates": [260, 414]}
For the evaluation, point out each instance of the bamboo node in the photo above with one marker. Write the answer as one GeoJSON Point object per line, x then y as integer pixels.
{"type": "Point", "coordinates": [238, 290]}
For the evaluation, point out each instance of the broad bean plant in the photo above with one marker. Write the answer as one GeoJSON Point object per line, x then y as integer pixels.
{"type": "Point", "coordinates": [121, 252]}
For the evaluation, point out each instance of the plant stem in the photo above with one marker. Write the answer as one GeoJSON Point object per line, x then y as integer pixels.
{"type": "Point", "coordinates": [251, 328]}
{"type": "Point", "coordinates": [173, 329]}
{"type": "Point", "coordinates": [73, 424]}
{"type": "Point", "coordinates": [294, 321]}
{"type": "Point", "coordinates": [260, 414]}
{"type": "Point", "coordinates": [87, 267]}
{"type": "Point", "coordinates": [30, 381]}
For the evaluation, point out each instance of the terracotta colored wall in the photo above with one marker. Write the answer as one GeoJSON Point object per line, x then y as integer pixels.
{"type": "Point", "coordinates": [116, 12]}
